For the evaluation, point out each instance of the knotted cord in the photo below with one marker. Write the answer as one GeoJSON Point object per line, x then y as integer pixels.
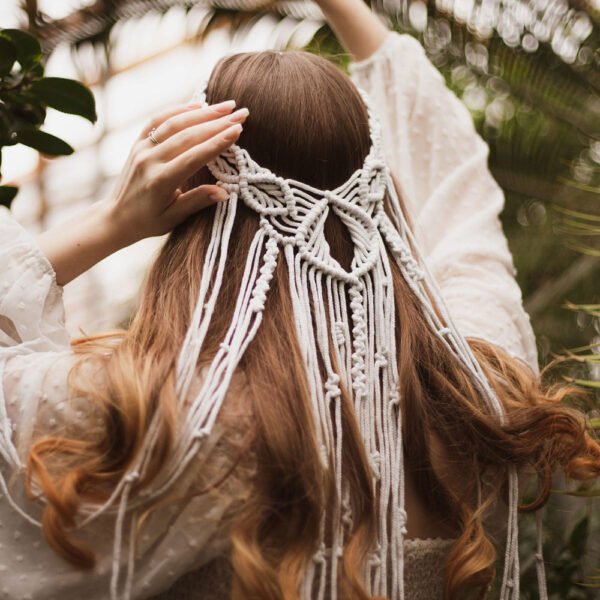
{"type": "Point", "coordinates": [345, 314]}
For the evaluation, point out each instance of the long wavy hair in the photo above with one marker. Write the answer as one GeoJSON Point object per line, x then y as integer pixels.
{"type": "Point", "coordinates": [307, 122]}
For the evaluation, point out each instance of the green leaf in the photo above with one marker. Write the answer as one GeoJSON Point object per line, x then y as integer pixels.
{"type": "Point", "coordinates": [29, 50]}
{"type": "Point", "coordinates": [587, 383]}
{"type": "Point", "coordinates": [23, 106]}
{"type": "Point", "coordinates": [66, 95]}
{"type": "Point", "coordinates": [37, 70]}
{"type": "Point", "coordinates": [7, 194]}
{"type": "Point", "coordinates": [8, 55]}
{"type": "Point", "coordinates": [45, 143]}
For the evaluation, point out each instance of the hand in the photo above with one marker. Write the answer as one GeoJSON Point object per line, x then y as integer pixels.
{"type": "Point", "coordinates": [148, 200]}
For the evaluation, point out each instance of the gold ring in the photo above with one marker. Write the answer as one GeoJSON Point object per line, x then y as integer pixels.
{"type": "Point", "coordinates": [152, 136]}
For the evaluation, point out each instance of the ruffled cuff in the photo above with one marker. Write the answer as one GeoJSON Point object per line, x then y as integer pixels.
{"type": "Point", "coordinates": [31, 303]}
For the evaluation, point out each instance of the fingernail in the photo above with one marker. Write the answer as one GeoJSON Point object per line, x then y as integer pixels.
{"type": "Point", "coordinates": [224, 107]}
{"type": "Point", "coordinates": [239, 115]}
{"type": "Point", "coordinates": [219, 196]}
{"type": "Point", "coordinates": [232, 133]}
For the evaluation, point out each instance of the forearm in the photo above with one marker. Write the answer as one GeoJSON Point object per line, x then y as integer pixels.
{"type": "Point", "coordinates": [78, 244]}
{"type": "Point", "coordinates": [148, 200]}
{"type": "Point", "coordinates": [355, 25]}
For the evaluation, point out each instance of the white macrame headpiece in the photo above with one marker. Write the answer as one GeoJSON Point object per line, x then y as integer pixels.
{"type": "Point", "coordinates": [359, 333]}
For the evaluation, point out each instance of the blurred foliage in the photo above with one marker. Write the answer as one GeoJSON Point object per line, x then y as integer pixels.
{"type": "Point", "coordinates": [529, 71]}
{"type": "Point", "coordinates": [25, 94]}
{"type": "Point", "coordinates": [567, 577]}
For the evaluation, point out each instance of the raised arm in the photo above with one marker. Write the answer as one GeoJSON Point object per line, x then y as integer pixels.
{"type": "Point", "coordinates": [440, 164]}
{"type": "Point", "coordinates": [148, 201]}
{"type": "Point", "coordinates": [357, 28]}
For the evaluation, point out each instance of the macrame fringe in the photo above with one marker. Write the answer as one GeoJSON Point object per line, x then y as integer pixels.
{"type": "Point", "coordinates": [344, 319]}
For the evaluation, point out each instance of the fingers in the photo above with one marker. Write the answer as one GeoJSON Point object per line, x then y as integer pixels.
{"type": "Point", "coordinates": [183, 120]}
{"type": "Point", "coordinates": [194, 200]}
{"type": "Point", "coordinates": [196, 134]}
{"type": "Point", "coordinates": [193, 159]}
{"type": "Point", "coordinates": [166, 114]}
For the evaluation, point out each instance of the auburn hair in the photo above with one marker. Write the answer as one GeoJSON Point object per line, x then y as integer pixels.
{"type": "Point", "coordinates": [307, 122]}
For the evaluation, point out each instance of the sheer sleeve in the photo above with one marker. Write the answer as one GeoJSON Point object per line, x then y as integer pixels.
{"type": "Point", "coordinates": [32, 336]}
{"type": "Point", "coordinates": [31, 307]}
{"type": "Point", "coordinates": [440, 164]}
{"type": "Point", "coordinates": [185, 531]}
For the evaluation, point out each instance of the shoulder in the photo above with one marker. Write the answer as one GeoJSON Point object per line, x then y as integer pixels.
{"type": "Point", "coordinates": [399, 47]}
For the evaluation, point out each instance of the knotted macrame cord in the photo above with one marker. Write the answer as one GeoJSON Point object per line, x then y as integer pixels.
{"type": "Point", "coordinates": [359, 335]}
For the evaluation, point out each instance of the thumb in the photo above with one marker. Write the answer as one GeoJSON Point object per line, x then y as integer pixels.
{"type": "Point", "coordinates": [196, 199]}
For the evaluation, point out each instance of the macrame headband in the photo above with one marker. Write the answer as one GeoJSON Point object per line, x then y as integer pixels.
{"type": "Point", "coordinates": [349, 314]}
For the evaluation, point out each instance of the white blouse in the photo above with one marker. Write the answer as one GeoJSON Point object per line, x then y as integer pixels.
{"type": "Point", "coordinates": [440, 164]}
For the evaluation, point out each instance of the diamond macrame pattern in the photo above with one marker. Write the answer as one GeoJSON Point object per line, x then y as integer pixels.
{"type": "Point", "coordinates": [293, 213]}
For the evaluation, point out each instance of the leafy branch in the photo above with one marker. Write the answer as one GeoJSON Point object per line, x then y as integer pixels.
{"type": "Point", "coordinates": [25, 94]}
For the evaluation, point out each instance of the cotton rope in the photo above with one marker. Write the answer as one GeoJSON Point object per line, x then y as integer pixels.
{"type": "Point", "coordinates": [359, 334]}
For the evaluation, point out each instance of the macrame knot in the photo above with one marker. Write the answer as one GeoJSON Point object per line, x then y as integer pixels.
{"type": "Point", "coordinates": [401, 250]}
{"type": "Point", "coordinates": [359, 384]}
{"type": "Point", "coordinates": [374, 559]}
{"type": "Point", "coordinates": [225, 347]}
{"type": "Point", "coordinates": [381, 360]}
{"type": "Point", "coordinates": [324, 455]}
{"type": "Point", "coordinates": [402, 520]}
{"type": "Point", "coordinates": [377, 195]}
{"type": "Point", "coordinates": [332, 387]}
{"type": "Point", "coordinates": [339, 330]}
{"type": "Point", "coordinates": [347, 513]}
{"type": "Point", "coordinates": [394, 397]}
{"type": "Point", "coordinates": [320, 556]}
{"type": "Point", "coordinates": [301, 233]}
{"type": "Point", "coordinates": [200, 434]}
{"type": "Point", "coordinates": [263, 283]}
{"type": "Point", "coordinates": [132, 477]}
{"type": "Point", "coordinates": [360, 341]}
{"type": "Point", "coordinates": [363, 188]}
{"type": "Point", "coordinates": [259, 297]}
{"type": "Point", "coordinates": [375, 463]}
{"type": "Point", "coordinates": [445, 331]}
{"type": "Point", "coordinates": [411, 267]}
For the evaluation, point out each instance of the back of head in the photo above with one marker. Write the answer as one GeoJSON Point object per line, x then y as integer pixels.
{"type": "Point", "coordinates": [307, 120]}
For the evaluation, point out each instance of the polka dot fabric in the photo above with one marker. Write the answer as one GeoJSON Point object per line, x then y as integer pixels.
{"type": "Point", "coordinates": [440, 165]}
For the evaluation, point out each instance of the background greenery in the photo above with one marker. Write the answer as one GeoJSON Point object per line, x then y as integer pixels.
{"type": "Point", "coordinates": [530, 74]}
{"type": "Point", "coordinates": [25, 94]}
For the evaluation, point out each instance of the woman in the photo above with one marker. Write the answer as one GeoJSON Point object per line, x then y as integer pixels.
{"type": "Point", "coordinates": [246, 515]}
